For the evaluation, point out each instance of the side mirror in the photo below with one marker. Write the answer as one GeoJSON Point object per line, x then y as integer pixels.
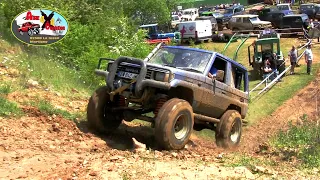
{"type": "Point", "coordinates": [220, 75]}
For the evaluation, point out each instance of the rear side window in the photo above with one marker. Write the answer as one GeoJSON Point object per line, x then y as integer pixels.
{"type": "Point", "coordinates": [239, 20]}
{"type": "Point", "coordinates": [238, 78]}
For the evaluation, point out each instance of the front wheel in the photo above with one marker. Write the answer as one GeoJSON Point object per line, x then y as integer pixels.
{"type": "Point", "coordinates": [229, 129]}
{"type": "Point", "coordinates": [174, 124]}
{"type": "Point", "coordinates": [30, 32]}
{"type": "Point", "coordinates": [99, 115]}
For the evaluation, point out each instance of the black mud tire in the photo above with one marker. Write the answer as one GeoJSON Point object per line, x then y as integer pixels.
{"type": "Point", "coordinates": [229, 130]}
{"type": "Point", "coordinates": [99, 115]}
{"type": "Point", "coordinates": [30, 32]}
{"type": "Point", "coordinates": [172, 112]}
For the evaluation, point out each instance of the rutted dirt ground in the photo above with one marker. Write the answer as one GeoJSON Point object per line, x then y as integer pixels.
{"type": "Point", "coordinates": [37, 146]}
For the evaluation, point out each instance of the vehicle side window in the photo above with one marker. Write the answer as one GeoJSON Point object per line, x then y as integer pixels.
{"type": "Point", "coordinates": [233, 19]}
{"type": "Point", "coordinates": [246, 20]}
{"type": "Point", "coordinates": [220, 64]}
{"type": "Point", "coordinates": [237, 10]}
{"type": "Point", "coordinates": [298, 20]}
{"type": "Point", "coordinates": [238, 76]}
{"type": "Point", "coordinates": [239, 20]}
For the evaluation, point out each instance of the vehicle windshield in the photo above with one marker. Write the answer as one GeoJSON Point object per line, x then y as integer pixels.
{"type": "Point", "coordinates": [228, 11]}
{"type": "Point", "coordinates": [255, 19]}
{"type": "Point", "coordinates": [175, 18]}
{"type": "Point", "coordinates": [190, 60]}
{"type": "Point", "coordinates": [187, 12]}
{"type": "Point", "coordinates": [283, 7]}
{"type": "Point", "coordinates": [306, 7]}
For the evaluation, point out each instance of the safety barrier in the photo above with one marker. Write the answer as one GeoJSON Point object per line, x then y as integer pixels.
{"type": "Point", "coordinates": [280, 75]}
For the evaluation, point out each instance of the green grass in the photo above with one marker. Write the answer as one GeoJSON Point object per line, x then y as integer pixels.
{"type": "Point", "coordinates": [5, 89]}
{"type": "Point", "coordinates": [8, 108]}
{"type": "Point", "coordinates": [43, 67]}
{"type": "Point", "coordinates": [300, 141]}
{"type": "Point", "coordinates": [47, 108]}
{"type": "Point", "coordinates": [277, 95]}
{"type": "Point", "coordinates": [236, 160]}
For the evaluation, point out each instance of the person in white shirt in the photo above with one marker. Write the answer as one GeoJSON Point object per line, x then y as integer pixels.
{"type": "Point", "coordinates": [308, 58]}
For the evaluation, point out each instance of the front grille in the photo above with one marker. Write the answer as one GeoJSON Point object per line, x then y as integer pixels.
{"type": "Point", "coordinates": [149, 74]}
{"type": "Point", "coordinates": [128, 69]}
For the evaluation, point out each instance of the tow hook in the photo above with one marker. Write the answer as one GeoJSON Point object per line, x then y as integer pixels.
{"type": "Point", "coordinates": [120, 89]}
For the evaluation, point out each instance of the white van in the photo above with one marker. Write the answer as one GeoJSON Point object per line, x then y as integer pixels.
{"type": "Point", "coordinates": [196, 30]}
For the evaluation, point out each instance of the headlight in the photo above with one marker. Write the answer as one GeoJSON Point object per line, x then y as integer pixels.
{"type": "Point", "coordinates": [161, 76]}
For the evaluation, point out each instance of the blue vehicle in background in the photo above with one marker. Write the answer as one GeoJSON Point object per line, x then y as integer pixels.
{"type": "Point", "coordinates": [155, 35]}
{"type": "Point", "coordinates": [285, 8]}
{"type": "Point", "coordinates": [228, 13]}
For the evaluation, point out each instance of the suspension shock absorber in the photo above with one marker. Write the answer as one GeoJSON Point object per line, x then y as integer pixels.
{"type": "Point", "coordinates": [159, 104]}
{"type": "Point", "coordinates": [121, 101]}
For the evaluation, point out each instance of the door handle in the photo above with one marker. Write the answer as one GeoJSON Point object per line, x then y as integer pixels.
{"type": "Point", "coordinates": [222, 92]}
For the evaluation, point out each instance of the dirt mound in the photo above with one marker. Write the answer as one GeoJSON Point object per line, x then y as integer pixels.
{"type": "Point", "coordinates": [303, 103]}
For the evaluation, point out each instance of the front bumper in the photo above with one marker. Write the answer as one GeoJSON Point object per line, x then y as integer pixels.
{"type": "Point", "coordinates": [141, 81]}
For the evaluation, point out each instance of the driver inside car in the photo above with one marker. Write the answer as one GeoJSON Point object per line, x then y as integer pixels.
{"type": "Point", "coordinates": [213, 73]}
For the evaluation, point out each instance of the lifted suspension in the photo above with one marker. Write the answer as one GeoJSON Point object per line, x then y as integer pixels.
{"type": "Point", "coordinates": [159, 104]}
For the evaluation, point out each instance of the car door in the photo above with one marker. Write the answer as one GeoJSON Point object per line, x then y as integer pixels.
{"type": "Point", "coordinates": [212, 103]}
{"type": "Point", "coordinates": [221, 86]}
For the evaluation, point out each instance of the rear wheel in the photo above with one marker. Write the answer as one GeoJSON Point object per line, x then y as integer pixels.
{"type": "Point", "coordinates": [99, 115]}
{"type": "Point", "coordinates": [174, 124]}
{"type": "Point", "coordinates": [228, 131]}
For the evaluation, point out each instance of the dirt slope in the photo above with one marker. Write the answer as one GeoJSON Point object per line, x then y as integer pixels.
{"type": "Point", "coordinates": [305, 102]}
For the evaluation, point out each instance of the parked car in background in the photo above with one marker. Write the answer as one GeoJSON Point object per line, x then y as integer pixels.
{"type": "Point", "coordinates": [247, 22]}
{"type": "Point", "coordinates": [295, 21]}
{"type": "Point", "coordinates": [275, 17]}
{"type": "Point", "coordinates": [195, 30]}
{"type": "Point", "coordinates": [228, 13]}
{"type": "Point", "coordinates": [175, 19]}
{"type": "Point", "coordinates": [213, 22]}
{"type": "Point", "coordinates": [205, 9]}
{"type": "Point", "coordinates": [190, 14]}
{"type": "Point", "coordinates": [285, 7]}
{"type": "Point", "coordinates": [263, 12]}
{"type": "Point", "coordinates": [214, 14]}
{"type": "Point", "coordinates": [309, 9]}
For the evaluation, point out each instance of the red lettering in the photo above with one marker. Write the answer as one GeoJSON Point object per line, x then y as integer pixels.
{"type": "Point", "coordinates": [29, 15]}
{"type": "Point", "coordinates": [47, 25]}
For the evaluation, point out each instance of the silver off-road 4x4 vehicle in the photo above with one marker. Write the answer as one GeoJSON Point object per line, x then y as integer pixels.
{"type": "Point", "coordinates": [171, 89]}
{"type": "Point", "coordinates": [247, 22]}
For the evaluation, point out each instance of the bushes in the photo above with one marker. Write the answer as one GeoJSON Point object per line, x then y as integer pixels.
{"type": "Point", "coordinates": [302, 142]}
{"type": "Point", "coordinates": [97, 29]}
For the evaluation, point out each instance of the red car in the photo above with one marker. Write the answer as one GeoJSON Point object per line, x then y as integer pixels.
{"type": "Point", "coordinates": [29, 27]}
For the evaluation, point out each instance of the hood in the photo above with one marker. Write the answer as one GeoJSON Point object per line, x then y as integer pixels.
{"type": "Point", "coordinates": [286, 12]}
{"type": "Point", "coordinates": [227, 15]}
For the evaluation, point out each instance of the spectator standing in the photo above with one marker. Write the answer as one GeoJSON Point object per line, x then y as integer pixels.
{"type": "Point", "coordinates": [293, 55]}
{"type": "Point", "coordinates": [308, 58]}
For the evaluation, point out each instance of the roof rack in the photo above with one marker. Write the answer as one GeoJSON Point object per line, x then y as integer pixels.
{"type": "Point", "coordinates": [268, 33]}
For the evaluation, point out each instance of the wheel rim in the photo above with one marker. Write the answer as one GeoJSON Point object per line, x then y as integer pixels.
{"type": "Point", "coordinates": [30, 32]}
{"type": "Point", "coordinates": [235, 131]}
{"type": "Point", "coordinates": [181, 127]}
